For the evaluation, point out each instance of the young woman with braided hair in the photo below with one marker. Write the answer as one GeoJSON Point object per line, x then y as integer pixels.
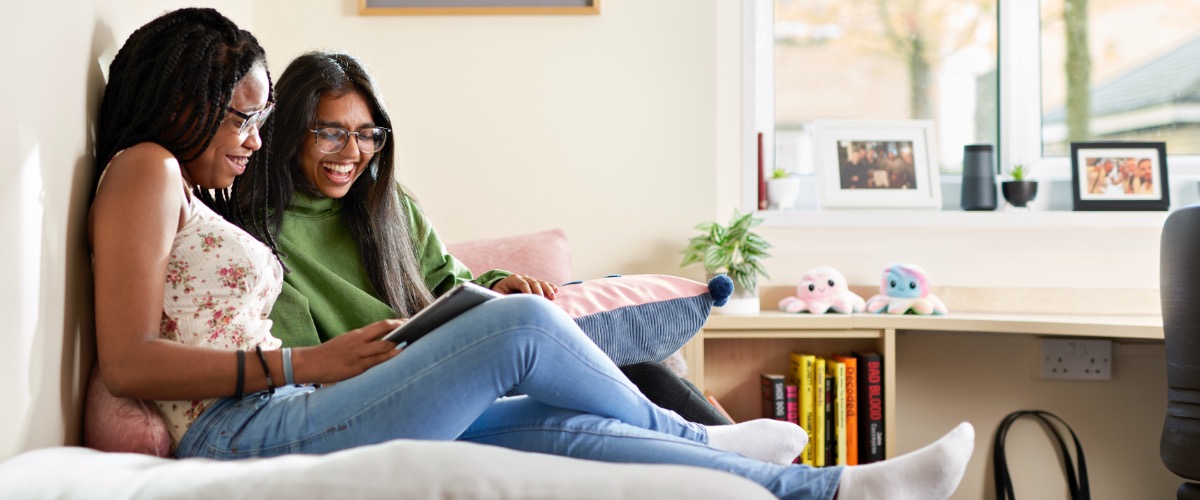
{"type": "Point", "coordinates": [182, 298]}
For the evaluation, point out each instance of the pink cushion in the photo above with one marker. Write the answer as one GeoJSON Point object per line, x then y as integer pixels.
{"type": "Point", "coordinates": [545, 255]}
{"type": "Point", "coordinates": [606, 294]}
{"type": "Point", "coordinates": [122, 425]}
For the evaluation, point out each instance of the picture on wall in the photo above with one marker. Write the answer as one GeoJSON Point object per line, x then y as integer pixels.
{"type": "Point", "coordinates": [876, 163]}
{"type": "Point", "coordinates": [1119, 176]}
{"type": "Point", "coordinates": [477, 7]}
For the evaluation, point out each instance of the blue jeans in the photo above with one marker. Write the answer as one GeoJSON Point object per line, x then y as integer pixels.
{"type": "Point", "coordinates": [449, 386]}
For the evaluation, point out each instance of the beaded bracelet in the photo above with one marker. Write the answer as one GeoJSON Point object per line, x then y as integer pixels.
{"type": "Point", "coordinates": [266, 371]}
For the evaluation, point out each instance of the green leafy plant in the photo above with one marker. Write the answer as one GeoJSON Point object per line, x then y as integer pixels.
{"type": "Point", "coordinates": [1019, 172]}
{"type": "Point", "coordinates": [734, 250]}
{"type": "Point", "coordinates": [780, 173]}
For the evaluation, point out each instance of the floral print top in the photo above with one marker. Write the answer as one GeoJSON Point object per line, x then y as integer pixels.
{"type": "Point", "coordinates": [221, 284]}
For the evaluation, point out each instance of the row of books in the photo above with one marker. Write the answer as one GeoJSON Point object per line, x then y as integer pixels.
{"type": "Point", "coordinates": [838, 400]}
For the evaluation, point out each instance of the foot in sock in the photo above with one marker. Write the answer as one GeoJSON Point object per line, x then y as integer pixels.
{"type": "Point", "coordinates": [932, 472]}
{"type": "Point", "coordinates": [773, 441]}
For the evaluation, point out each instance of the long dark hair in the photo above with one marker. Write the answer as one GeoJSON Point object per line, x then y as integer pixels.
{"type": "Point", "coordinates": [170, 84]}
{"type": "Point", "coordinates": [372, 206]}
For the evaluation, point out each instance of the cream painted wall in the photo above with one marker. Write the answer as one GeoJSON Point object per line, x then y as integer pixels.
{"type": "Point", "coordinates": [943, 379]}
{"type": "Point", "coordinates": [49, 100]}
{"type": "Point", "coordinates": [601, 125]}
{"type": "Point", "coordinates": [623, 129]}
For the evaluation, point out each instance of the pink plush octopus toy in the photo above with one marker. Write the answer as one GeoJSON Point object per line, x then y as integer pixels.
{"type": "Point", "coordinates": [905, 289]}
{"type": "Point", "coordinates": [822, 289]}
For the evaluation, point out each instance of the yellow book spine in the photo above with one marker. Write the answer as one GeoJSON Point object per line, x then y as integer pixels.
{"type": "Point", "coordinates": [839, 386]}
{"type": "Point", "coordinates": [817, 440]}
{"type": "Point", "coordinates": [807, 362]}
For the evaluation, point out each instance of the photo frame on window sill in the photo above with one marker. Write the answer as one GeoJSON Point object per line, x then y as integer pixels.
{"type": "Point", "coordinates": [477, 7]}
{"type": "Point", "coordinates": [876, 164]}
{"type": "Point", "coordinates": [1118, 175]}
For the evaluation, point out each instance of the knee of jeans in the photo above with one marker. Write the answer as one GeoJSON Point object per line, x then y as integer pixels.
{"type": "Point", "coordinates": [528, 305]}
{"type": "Point", "coordinates": [536, 311]}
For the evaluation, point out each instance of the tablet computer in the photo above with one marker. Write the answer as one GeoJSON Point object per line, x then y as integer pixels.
{"type": "Point", "coordinates": [445, 308]}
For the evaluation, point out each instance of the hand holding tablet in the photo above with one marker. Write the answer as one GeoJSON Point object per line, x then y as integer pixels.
{"type": "Point", "coordinates": [445, 308]}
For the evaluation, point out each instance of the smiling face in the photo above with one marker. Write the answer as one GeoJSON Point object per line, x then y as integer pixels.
{"type": "Point", "coordinates": [229, 152]}
{"type": "Point", "coordinates": [332, 174]}
{"type": "Point", "coordinates": [903, 281]}
{"type": "Point", "coordinates": [822, 283]}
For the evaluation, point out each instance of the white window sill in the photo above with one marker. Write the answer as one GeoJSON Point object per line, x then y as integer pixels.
{"type": "Point", "coordinates": [909, 218]}
{"type": "Point", "coordinates": [1052, 209]}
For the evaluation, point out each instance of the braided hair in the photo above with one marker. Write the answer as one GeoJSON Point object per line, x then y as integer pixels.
{"type": "Point", "coordinates": [170, 84]}
{"type": "Point", "coordinates": [372, 206]}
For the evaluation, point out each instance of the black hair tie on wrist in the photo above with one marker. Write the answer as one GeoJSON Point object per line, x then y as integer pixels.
{"type": "Point", "coordinates": [241, 371]}
{"type": "Point", "coordinates": [266, 371]}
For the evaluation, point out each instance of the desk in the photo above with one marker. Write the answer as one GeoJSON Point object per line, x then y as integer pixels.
{"type": "Point", "coordinates": [730, 352]}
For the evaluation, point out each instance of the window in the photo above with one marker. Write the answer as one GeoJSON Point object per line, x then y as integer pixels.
{"type": "Point", "coordinates": [985, 71]}
{"type": "Point", "coordinates": [1120, 70]}
{"type": "Point", "coordinates": [876, 59]}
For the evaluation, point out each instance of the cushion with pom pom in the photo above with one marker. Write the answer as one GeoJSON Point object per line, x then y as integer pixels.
{"type": "Point", "coordinates": [640, 318]}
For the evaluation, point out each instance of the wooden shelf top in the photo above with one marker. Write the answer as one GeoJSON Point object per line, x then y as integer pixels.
{"type": "Point", "coordinates": [1126, 326]}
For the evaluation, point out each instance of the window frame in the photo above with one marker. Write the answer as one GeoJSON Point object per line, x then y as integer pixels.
{"type": "Point", "coordinates": [1019, 104]}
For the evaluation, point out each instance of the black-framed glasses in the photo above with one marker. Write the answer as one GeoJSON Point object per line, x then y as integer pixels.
{"type": "Point", "coordinates": [333, 139]}
{"type": "Point", "coordinates": [255, 119]}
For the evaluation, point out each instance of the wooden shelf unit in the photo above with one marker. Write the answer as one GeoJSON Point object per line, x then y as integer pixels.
{"type": "Point", "coordinates": [727, 356]}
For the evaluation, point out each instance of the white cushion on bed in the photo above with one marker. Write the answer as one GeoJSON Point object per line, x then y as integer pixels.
{"type": "Point", "coordinates": [398, 469]}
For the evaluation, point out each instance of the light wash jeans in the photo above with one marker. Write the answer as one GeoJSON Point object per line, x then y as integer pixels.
{"type": "Point", "coordinates": [449, 386]}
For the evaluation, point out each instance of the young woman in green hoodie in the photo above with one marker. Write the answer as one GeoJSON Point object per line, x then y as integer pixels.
{"type": "Point", "coordinates": [357, 246]}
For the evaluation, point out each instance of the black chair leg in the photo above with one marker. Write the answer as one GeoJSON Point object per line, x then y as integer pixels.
{"type": "Point", "coordinates": [1188, 491]}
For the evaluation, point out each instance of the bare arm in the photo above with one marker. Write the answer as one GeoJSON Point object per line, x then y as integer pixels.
{"type": "Point", "coordinates": [132, 225]}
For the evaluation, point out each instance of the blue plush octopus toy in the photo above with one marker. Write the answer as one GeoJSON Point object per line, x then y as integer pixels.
{"type": "Point", "coordinates": [905, 289]}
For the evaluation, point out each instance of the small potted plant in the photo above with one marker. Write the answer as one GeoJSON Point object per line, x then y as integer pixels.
{"type": "Point", "coordinates": [1020, 190]}
{"type": "Point", "coordinates": [782, 189]}
{"type": "Point", "coordinates": [733, 250]}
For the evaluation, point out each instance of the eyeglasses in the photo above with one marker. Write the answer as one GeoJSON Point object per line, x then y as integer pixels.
{"type": "Point", "coordinates": [254, 119]}
{"type": "Point", "coordinates": [333, 139]}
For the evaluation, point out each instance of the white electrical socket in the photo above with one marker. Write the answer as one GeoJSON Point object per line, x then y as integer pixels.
{"type": "Point", "coordinates": [1076, 359]}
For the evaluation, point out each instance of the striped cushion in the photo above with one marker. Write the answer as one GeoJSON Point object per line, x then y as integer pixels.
{"type": "Point", "coordinates": [640, 318]}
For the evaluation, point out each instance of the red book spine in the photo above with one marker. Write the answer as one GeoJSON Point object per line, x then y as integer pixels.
{"type": "Point", "coordinates": [762, 180]}
{"type": "Point", "coordinates": [793, 403]}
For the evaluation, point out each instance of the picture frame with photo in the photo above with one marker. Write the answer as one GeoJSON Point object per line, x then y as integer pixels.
{"type": "Point", "coordinates": [876, 164]}
{"type": "Point", "coordinates": [477, 7]}
{"type": "Point", "coordinates": [1119, 175]}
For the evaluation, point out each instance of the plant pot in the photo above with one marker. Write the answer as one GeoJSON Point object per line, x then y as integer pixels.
{"type": "Point", "coordinates": [782, 193]}
{"type": "Point", "coordinates": [740, 301]}
{"type": "Point", "coordinates": [1019, 193]}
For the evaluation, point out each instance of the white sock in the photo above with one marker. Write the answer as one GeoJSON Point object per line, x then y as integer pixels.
{"type": "Point", "coordinates": [932, 472]}
{"type": "Point", "coordinates": [775, 441]}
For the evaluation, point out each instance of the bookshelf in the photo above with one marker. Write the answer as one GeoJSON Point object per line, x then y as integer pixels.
{"type": "Point", "coordinates": [730, 352]}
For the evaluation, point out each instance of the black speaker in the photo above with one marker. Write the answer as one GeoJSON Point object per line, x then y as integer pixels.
{"type": "Point", "coordinates": [979, 178]}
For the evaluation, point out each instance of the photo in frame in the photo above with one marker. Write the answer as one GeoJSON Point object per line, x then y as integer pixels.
{"type": "Point", "coordinates": [1119, 176]}
{"type": "Point", "coordinates": [876, 164]}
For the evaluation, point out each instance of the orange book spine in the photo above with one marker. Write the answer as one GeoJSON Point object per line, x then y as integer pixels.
{"type": "Point", "coordinates": [851, 408]}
